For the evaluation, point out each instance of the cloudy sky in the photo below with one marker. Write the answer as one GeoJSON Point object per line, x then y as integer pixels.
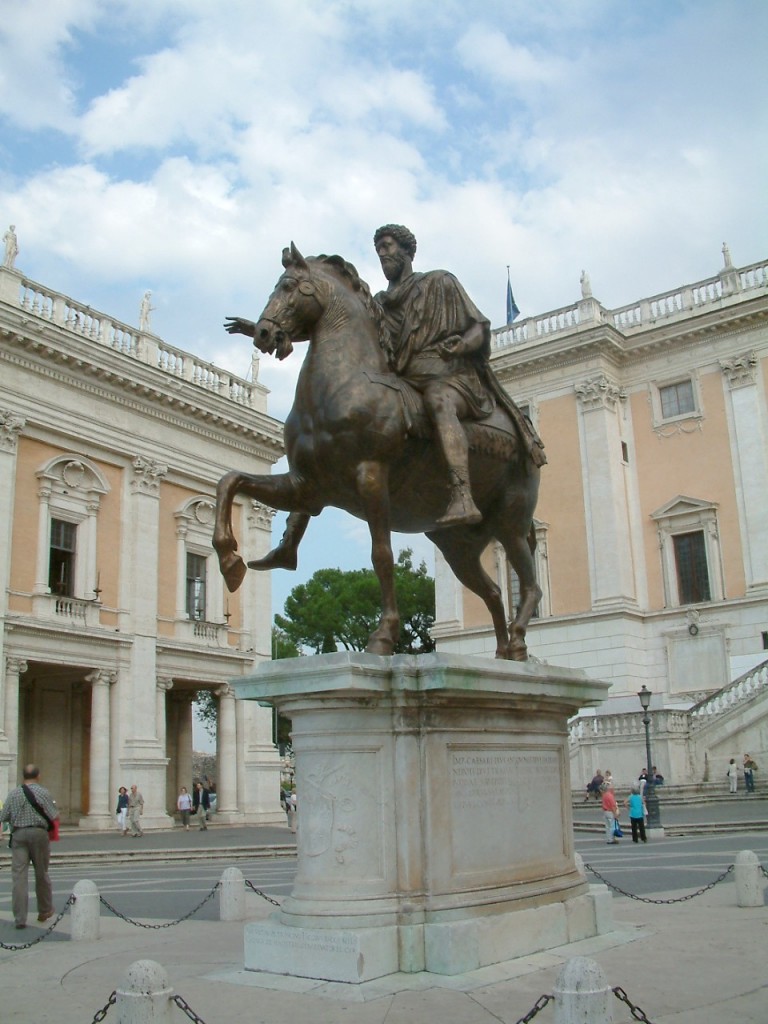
{"type": "Point", "coordinates": [178, 145]}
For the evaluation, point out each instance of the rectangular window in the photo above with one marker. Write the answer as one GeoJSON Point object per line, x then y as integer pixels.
{"type": "Point", "coordinates": [691, 563]}
{"type": "Point", "coordinates": [677, 399]}
{"type": "Point", "coordinates": [196, 576]}
{"type": "Point", "coordinates": [61, 562]}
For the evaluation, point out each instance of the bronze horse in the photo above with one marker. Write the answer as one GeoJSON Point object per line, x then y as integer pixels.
{"type": "Point", "coordinates": [352, 443]}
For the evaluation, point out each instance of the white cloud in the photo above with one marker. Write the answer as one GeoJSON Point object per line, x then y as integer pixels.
{"type": "Point", "coordinates": [488, 52]}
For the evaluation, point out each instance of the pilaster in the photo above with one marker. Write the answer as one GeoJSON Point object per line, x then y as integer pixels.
{"type": "Point", "coordinates": [9, 737]}
{"type": "Point", "coordinates": [746, 406]}
{"type": "Point", "coordinates": [609, 526]}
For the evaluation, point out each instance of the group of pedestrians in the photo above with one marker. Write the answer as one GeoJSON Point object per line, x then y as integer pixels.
{"type": "Point", "coordinates": [748, 769]}
{"type": "Point", "coordinates": [130, 807]}
{"type": "Point", "coordinates": [601, 785]}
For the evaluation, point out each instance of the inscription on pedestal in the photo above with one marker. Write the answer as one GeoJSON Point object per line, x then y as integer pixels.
{"type": "Point", "coordinates": [505, 807]}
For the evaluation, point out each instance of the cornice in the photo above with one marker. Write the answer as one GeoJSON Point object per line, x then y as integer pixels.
{"type": "Point", "coordinates": [141, 389]}
{"type": "Point", "coordinates": [226, 431]}
{"type": "Point", "coordinates": [608, 344]}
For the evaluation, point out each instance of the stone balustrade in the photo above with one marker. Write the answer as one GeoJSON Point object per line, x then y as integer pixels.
{"type": "Point", "coordinates": [738, 692]}
{"type": "Point", "coordinates": [641, 314]}
{"type": "Point", "coordinates": [55, 308]}
{"type": "Point", "coordinates": [629, 725]}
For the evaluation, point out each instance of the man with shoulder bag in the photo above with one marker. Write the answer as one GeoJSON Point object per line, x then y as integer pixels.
{"type": "Point", "coordinates": [31, 813]}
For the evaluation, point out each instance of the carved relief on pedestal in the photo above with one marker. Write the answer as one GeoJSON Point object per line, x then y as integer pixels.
{"type": "Point", "coordinates": [325, 801]}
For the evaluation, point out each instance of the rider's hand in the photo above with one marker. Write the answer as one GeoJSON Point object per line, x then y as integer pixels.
{"type": "Point", "coordinates": [451, 346]}
{"type": "Point", "coordinates": [237, 325]}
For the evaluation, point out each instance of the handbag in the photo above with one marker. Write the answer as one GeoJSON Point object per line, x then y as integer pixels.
{"type": "Point", "coordinates": [53, 823]}
{"type": "Point", "coordinates": [617, 829]}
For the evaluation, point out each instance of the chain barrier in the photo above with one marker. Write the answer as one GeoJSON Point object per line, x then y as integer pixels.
{"type": "Point", "coordinates": [168, 924]}
{"type": "Point", "coordinates": [34, 942]}
{"type": "Point", "coordinates": [102, 1013]}
{"type": "Point", "coordinates": [185, 1008]}
{"type": "Point", "coordinates": [646, 899]}
{"type": "Point", "coordinates": [252, 887]}
{"type": "Point", "coordinates": [537, 1007]}
{"type": "Point", "coordinates": [764, 871]}
{"type": "Point", "coordinates": [637, 1013]}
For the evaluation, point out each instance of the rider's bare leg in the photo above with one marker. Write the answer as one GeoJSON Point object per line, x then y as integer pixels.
{"type": "Point", "coordinates": [286, 554]}
{"type": "Point", "coordinates": [445, 406]}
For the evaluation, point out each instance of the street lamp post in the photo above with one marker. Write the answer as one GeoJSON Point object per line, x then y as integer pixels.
{"type": "Point", "coordinates": [651, 797]}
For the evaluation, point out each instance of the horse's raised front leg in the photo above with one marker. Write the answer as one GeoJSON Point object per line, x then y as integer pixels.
{"type": "Point", "coordinates": [373, 488]}
{"type": "Point", "coordinates": [279, 491]}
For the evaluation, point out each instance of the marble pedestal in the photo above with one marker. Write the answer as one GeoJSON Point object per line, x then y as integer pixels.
{"type": "Point", "coordinates": [434, 815]}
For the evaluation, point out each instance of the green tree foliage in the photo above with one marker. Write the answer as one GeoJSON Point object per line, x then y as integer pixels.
{"type": "Point", "coordinates": [341, 609]}
{"type": "Point", "coordinates": [208, 707]}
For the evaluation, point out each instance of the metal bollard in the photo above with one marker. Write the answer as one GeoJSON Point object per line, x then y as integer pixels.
{"type": "Point", "coordinates": [582, 994]}
{"type": "Point", "coordinates": [749, 888]}
{"type": "Point", "coordinates": [144, 997]}
{"type": "Point", "coordinates": [232, 895]}
{"type": "Point", "coordinates": [86, 912]}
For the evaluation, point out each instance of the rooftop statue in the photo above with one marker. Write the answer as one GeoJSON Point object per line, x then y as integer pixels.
{"type": "Point", "coordinates": [386, 381]}
{"type": "Point", "coordinates": [11, 250]}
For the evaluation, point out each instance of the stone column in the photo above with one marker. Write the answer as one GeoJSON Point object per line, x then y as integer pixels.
{"type": "Point", "coordinates": [14, 667]}
{"type": "Point", "coordinates": [745, 404]}
{"type": "Point", "coordinates": [164, 685]}
{"type": "Point", "coordinates": [226, 757]}
{"type": "Point", "coordinates": [11, 427]}
{"type": "Point", "coordinates": [609, 526]}
{"type": "Point", "coordinates": [184, 747]}
{"type": "Point", "coordinates": [99, 812]}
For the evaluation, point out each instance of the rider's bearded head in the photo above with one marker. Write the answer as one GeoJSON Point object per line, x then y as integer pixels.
{"type": "Point", "coordinates": [393, 262]}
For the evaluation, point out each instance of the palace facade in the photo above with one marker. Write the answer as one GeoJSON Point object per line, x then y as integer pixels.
{"type": "Point", "coordinates": [113, 614]}
{"type": "Point", "coordinates": [652, 523]}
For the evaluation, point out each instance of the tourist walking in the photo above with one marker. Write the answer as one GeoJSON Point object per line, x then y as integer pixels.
{"type": "Point", "coordinates": [733, 775]}
{"type": "Point", "coordinates": [184, 804]}
{"type": "Point", "coordinates": [135, 811]}
{"type": "Point", "coordinates": [122, 810]}
{"type": "Point", "coordinates": [30, 811]}
{"type": "Point", "coordinates": [637, 812]}
{"type": "Point", "coordinates": [610, 814]}
{"type": "Point", "coordinates": [202, 804]}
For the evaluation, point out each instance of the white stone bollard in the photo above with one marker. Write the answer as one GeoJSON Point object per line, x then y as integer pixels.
{"type": "Point", "coordinates": [144, 996]}
{"type": "Point", "coordinates": [582, 994]}
{"type": "Point", "coordinates": [86, 912]}
{"type": "Point", "coordinates": [232, 895]}
{"type": "Point", "coordinates": [292, 819]}
{"type": "Point", "coordinates": [749, 887]}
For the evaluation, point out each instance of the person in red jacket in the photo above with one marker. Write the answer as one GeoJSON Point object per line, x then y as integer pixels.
{"type": "Point", "coordinates": [610, 813]}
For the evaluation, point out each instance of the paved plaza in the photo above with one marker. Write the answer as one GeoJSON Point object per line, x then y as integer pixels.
{"type": "Point", "coordinates": [702, 960]}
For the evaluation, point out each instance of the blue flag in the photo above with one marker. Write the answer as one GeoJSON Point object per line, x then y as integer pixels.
{"type": "Point", "coordinates": [512, 310]}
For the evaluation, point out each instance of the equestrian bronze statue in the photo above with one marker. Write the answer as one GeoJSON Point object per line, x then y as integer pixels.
{"type": "Point", "coordinates": [399, 420]}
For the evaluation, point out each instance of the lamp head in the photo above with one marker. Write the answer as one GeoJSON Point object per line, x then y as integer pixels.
{"type": "Point", "coordinates": [645, 697]}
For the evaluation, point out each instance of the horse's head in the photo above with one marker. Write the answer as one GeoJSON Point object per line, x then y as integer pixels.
{"type": "Point", "coordinates": [293, 307]}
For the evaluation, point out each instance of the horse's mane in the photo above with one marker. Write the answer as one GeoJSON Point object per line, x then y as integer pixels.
{"type": "Point", "coordinates": [349, 273]}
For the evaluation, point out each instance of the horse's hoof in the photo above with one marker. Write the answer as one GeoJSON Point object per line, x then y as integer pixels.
{"type": "Point", "coordinates": [234, 573]}
{"type": "Point", "coordinates": [518, 651]}
{"type": "Point", "coordinates": [277, 558]}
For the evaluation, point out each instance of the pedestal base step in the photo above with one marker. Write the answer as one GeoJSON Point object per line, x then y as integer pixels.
{"type": "Point", "coordinates": [451, 947]}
